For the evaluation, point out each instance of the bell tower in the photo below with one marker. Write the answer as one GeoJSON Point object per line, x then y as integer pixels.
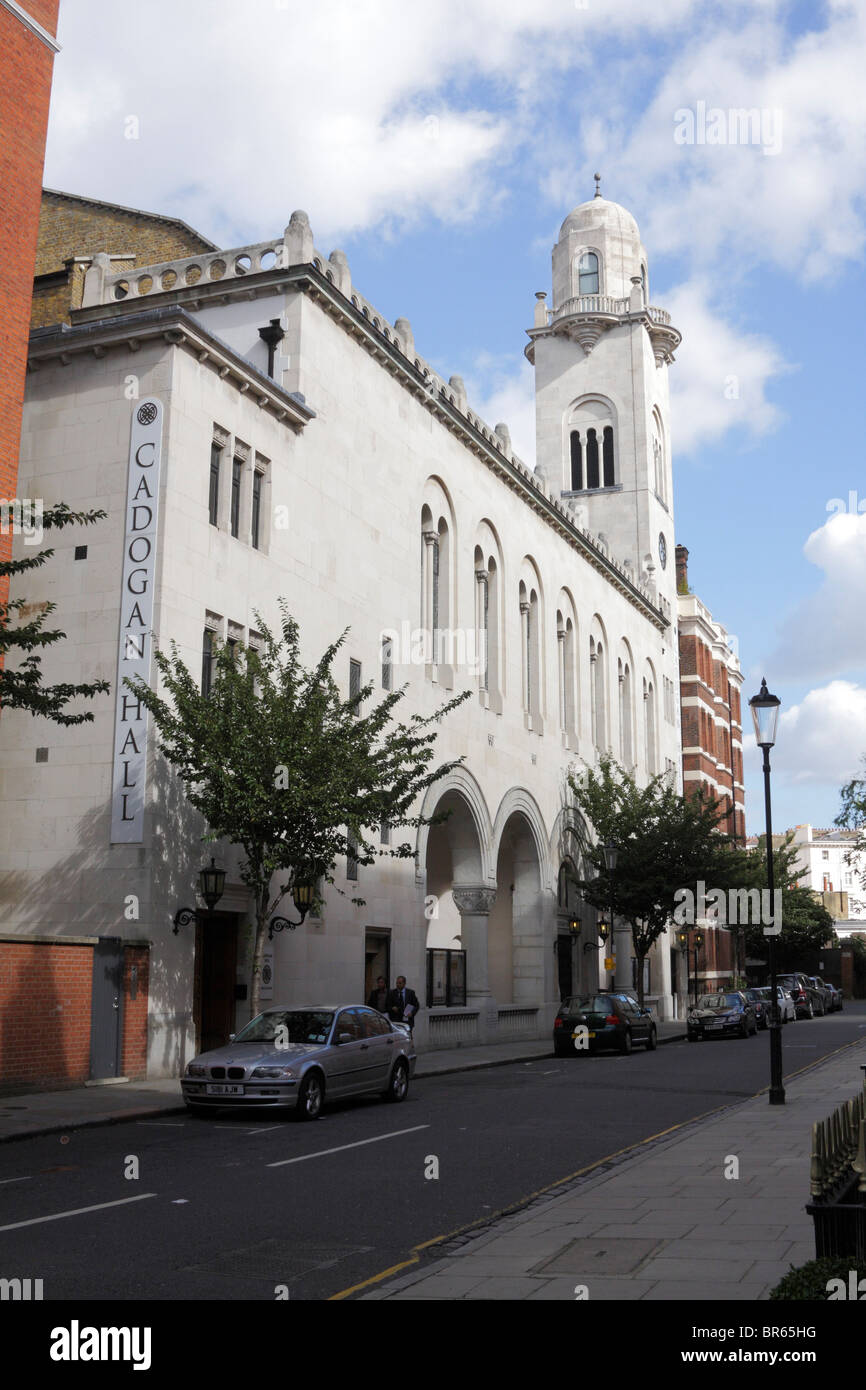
{"type": "Point", "coordinates": [601, 353]}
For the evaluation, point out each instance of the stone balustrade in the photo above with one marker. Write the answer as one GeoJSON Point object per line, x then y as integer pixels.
{"type": "Point", "coordinates": [185, 272]}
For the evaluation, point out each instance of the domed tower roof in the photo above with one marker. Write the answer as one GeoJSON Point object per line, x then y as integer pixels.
{"type": "Point", "coordinates": [599, 213]}
{"type": "Point", "coordinates": [604, 239]}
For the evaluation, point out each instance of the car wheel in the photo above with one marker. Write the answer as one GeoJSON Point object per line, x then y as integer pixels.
{"type": "Point", "coordinates": [744, 1029]}
{"type": "Point", "coordinates": [652, 1041]}
{"type": "Point", "coordinates": [310, 1096]}
{"type": "Point", "coordinates": [810, 1011]}
{"type": "Point", "coordinates": [693, 1037]}
{"type": "Point", "coordinates": [398, 1086]}
{"type": "Point", "coordinates": [625, 1045]}
{"type": "Point", "coordinates": [560, 1051]}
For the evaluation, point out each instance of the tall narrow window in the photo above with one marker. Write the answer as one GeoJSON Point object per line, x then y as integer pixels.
{"type": "Point", "coordinates": [592, 479]}
{"type": "Point", "coordinates": [207, 661]}
{"type": "Point", "coordinates": [351, 856]}
{"type": "Point", "coordinates": [600, 721]}
{"type": "Point", "coordinates": [355, 682]}
{"type": "Point", "coordinates": [576, 462]}
{"type": "Point", "coordinates": [387, 657]}
{"type": "Point", "coordinates": [435, 632]}
{"type": "Point", "coordinates": [214, 493]}
{"type": "Point", "coordinates": [587, 272]}
{"type": "Point", "coordinates": [607, 450]}
{"type": "Point", "coordinates": [237, 473]}
{"type": "Point", "coordinates": [256, 521]}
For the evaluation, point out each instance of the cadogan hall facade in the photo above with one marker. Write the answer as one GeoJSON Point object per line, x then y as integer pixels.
{"type": "Point", "coordinates": [256, 429]}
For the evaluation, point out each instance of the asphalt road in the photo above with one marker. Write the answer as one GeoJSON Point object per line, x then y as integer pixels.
{"type": "Point", "coordinates": [231, 1207]}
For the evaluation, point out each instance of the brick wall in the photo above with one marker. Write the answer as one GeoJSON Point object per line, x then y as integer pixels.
{"type": "Point", "coordinates": [45, 992]}
{"type": "Point", "coordinates": [26, 66]}
{"type": "Point", "coordinates": [71, 227]}
{"type": "Point", "coordinates": [133, 1060]}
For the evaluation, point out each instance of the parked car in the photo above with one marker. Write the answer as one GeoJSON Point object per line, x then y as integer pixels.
{"type": "Point", "coordinates": [295, 1059]}
{"type": "Point", "coordinates": [718, 1014]}
{"type": "Point", "coordinates": [605, 1020]}
{"type": "Point", "coordinates": [836, 997]}
{"type": "Point", "coordinates": [824, 991]}
{"type": "Point", "coordinates": [787, 1012]}
{"type": "Point", "coordinates": [761, 1000]}
{"type": "Point", "coordinates": [807, 1000]}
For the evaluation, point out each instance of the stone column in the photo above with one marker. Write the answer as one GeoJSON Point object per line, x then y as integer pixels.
{"type": "Point", "coordinates": [430, 538]}
{"type": "Point", "coordinates": [474, 906]}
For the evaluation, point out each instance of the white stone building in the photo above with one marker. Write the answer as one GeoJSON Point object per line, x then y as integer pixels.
{"type": "Point", "coordinates": [823, 857]}
{"type": "Point", "coordinates": [335, 468]}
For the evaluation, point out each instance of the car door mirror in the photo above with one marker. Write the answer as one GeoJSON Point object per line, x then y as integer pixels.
{"type": "Point", "coordinates": [231, 1037]}
{"type": "Point", "coordinates": [344, 1037]}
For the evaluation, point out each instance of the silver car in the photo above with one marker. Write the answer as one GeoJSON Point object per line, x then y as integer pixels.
{"type": "Point", "coordinates": [292, 1059]}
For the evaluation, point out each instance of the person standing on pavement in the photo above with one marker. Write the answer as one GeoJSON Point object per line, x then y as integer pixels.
{"type": "Point", "coordinates": [403, 1003]}
{"type": "Point", "coordinates": [379, 996]}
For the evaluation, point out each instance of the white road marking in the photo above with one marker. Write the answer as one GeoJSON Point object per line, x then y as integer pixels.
{"type": "Point", "coordinates": [302, 1158]}
{"type": "Point", "coordinates": [268, 1129]}
{"type": "Point", "coordinates": [163, 1124]}
{"type": "Point", "coordinates": [5, 1180]}
{"type": "Point", "coordinates": [77, 1211]}
{"type": "Point", "coordinates": [550, 1073]}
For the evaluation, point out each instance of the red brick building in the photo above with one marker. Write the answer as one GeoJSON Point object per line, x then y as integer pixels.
{"type": "Point", "coordinates": [27, 48]}
{"type": "Point", "coordinates": [712, 739]}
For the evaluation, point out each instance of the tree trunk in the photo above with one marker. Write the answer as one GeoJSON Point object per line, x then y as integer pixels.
{"type": "Point", "coordinates": [259, 951]}
{"type": "Point", "coordinates": [640, 960]}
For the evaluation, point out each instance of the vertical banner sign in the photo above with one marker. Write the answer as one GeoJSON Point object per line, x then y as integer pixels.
{"type": "Point", "coordinates": [136, 623]}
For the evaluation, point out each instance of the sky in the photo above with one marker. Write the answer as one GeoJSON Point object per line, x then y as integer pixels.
{"type": "Point", "coordinates": [441, 145]}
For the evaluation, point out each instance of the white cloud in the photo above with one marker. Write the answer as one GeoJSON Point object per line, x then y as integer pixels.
{"type": "Point", "coordinates": [821, 741]}
{"type": "Point", "coordinates": [721, 375]}
{"type": "Point", "coordinates": [825, 634]}
{"type": "Point", "coordinates": [497, 393]}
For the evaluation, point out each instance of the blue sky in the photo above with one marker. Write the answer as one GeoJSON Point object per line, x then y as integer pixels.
{"type": "Point", "coordinates": [442, 145]}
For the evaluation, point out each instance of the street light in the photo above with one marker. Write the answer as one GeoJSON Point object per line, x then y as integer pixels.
{"type": "Point", "coordinates": [211, 882]}
{"type": "Point", "coordinates": [302, 897]}
{"type": "Point", "coordinates": [699, 941]}
{"type": "Point", "coordinates": [683, 941]}
{"type": "Point", "coordinates": [610, 851]}
{"type": "Point", "coordinates": [602, 931]}
{"type": "Point", "coordinates": [765, 714]}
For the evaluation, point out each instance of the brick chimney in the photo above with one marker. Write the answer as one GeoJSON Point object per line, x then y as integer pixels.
{"type": "Point", "coordinates": [682, 559]}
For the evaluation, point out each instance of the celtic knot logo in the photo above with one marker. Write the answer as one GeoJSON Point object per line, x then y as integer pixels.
{"type": "Point", "coordinates": [146, 414]}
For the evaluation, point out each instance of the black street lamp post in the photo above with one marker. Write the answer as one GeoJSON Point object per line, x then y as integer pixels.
{"type": "Point", "coordinates": [699, 941]}
{"type": "Point", "coordinates": [610, 857]}
{"type": "Point", "coordinates": [765, 713]}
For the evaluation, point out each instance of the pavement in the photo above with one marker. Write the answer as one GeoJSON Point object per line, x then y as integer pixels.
{"type": "Point", "coordinates": [106, 1103]}
{"type": "Point", "coordinates": [714, 1209]}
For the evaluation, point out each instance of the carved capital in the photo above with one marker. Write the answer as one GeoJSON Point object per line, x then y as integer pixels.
{"type": "Point", "coordinates": [473, 902]}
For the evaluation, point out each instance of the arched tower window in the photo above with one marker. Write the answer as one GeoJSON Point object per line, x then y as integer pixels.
{"type": "Point", "coordinates": [576, 461]}
{"type": "Point", "coordinates": [591, 445]}
{"type": "Point", "coordinates": [587, 273]}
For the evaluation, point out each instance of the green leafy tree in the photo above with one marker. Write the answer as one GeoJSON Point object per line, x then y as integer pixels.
{"type": "Point", "coordinates": [806, 923]}
{"type": "Point", "coordinates": [665, 842]}
{"type": "Point", "coordinates": [23, 687]}
{"type": "Point", "coordinates": [280, 764]}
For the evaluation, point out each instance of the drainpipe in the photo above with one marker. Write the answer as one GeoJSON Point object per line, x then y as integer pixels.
{"type": "Point", "coordinates": [272, 334]}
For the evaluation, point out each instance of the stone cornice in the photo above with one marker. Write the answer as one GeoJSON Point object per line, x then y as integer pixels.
{"type": "Point", "coordinates": [176, 327]}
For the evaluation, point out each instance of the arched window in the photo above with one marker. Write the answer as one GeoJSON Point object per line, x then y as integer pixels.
{"type": "Point", "coordinates": [587, 273]}
{"type": "Point", "coordinates": [576, 462]}
{"type": "Point", "coordinates": [529, 614]}
{"type": "Point", "coordinates": [597, 695]}
{"type": "Point", "coordinates": [565, 639]}
{"type": "Point", "coordinates": [625, 715]}
{"type": "Point", "coordinates": [591, 452]}
{"type": "Point", "coordinates": [435, 590]}
{"type": "Point", "coordinates": [649, 726]}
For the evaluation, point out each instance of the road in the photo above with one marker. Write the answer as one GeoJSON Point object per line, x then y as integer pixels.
{"type": "Point", "coordinates": [234, 1207]}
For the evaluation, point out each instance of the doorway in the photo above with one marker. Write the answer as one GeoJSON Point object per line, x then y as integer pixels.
{"type": "Point", "coordinates": [216, 950]}
{"type": "Point", "coordinates": [377, 958]}
{"type": "Point", "coordinates": [106, 1014]}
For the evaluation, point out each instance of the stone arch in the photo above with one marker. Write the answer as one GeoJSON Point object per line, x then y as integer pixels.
{"type": "Point", "coordinates": [517, 960]}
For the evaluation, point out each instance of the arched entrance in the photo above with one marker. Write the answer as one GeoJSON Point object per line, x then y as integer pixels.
{"type": "Point", "coordinates": [516, 933]}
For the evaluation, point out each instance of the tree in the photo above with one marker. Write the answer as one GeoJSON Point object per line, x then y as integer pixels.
{"type": "Point", "coordinates": [666, 843]}
{"type": "Point", "coordinates": [806, 923]}
{"type": "Point", "coordinates": [22, 687]}
{"type": "Point", "coordinates": [852, 816]}
{"type": "Point", "coordinates": [280, 764]}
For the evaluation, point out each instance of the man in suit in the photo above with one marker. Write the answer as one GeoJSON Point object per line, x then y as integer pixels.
{"type": "Point", "coordinates": [403, 1003]}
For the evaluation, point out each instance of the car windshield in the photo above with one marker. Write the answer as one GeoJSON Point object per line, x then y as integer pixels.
{"type": "Point", "coordinates": [591, 1003]}
{"type": "Point", "coordinates": [300, 1025]}
{"type": "Point", "coordinates": [719, 1001]}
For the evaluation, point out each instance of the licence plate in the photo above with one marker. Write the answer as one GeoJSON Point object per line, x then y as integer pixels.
{"type": "Point", "coordinates": [225, 1090]}
{"type": "Point", "coordinates": [715, 1025]}
{"type": "Point", "coordinates": [585, 1035]}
